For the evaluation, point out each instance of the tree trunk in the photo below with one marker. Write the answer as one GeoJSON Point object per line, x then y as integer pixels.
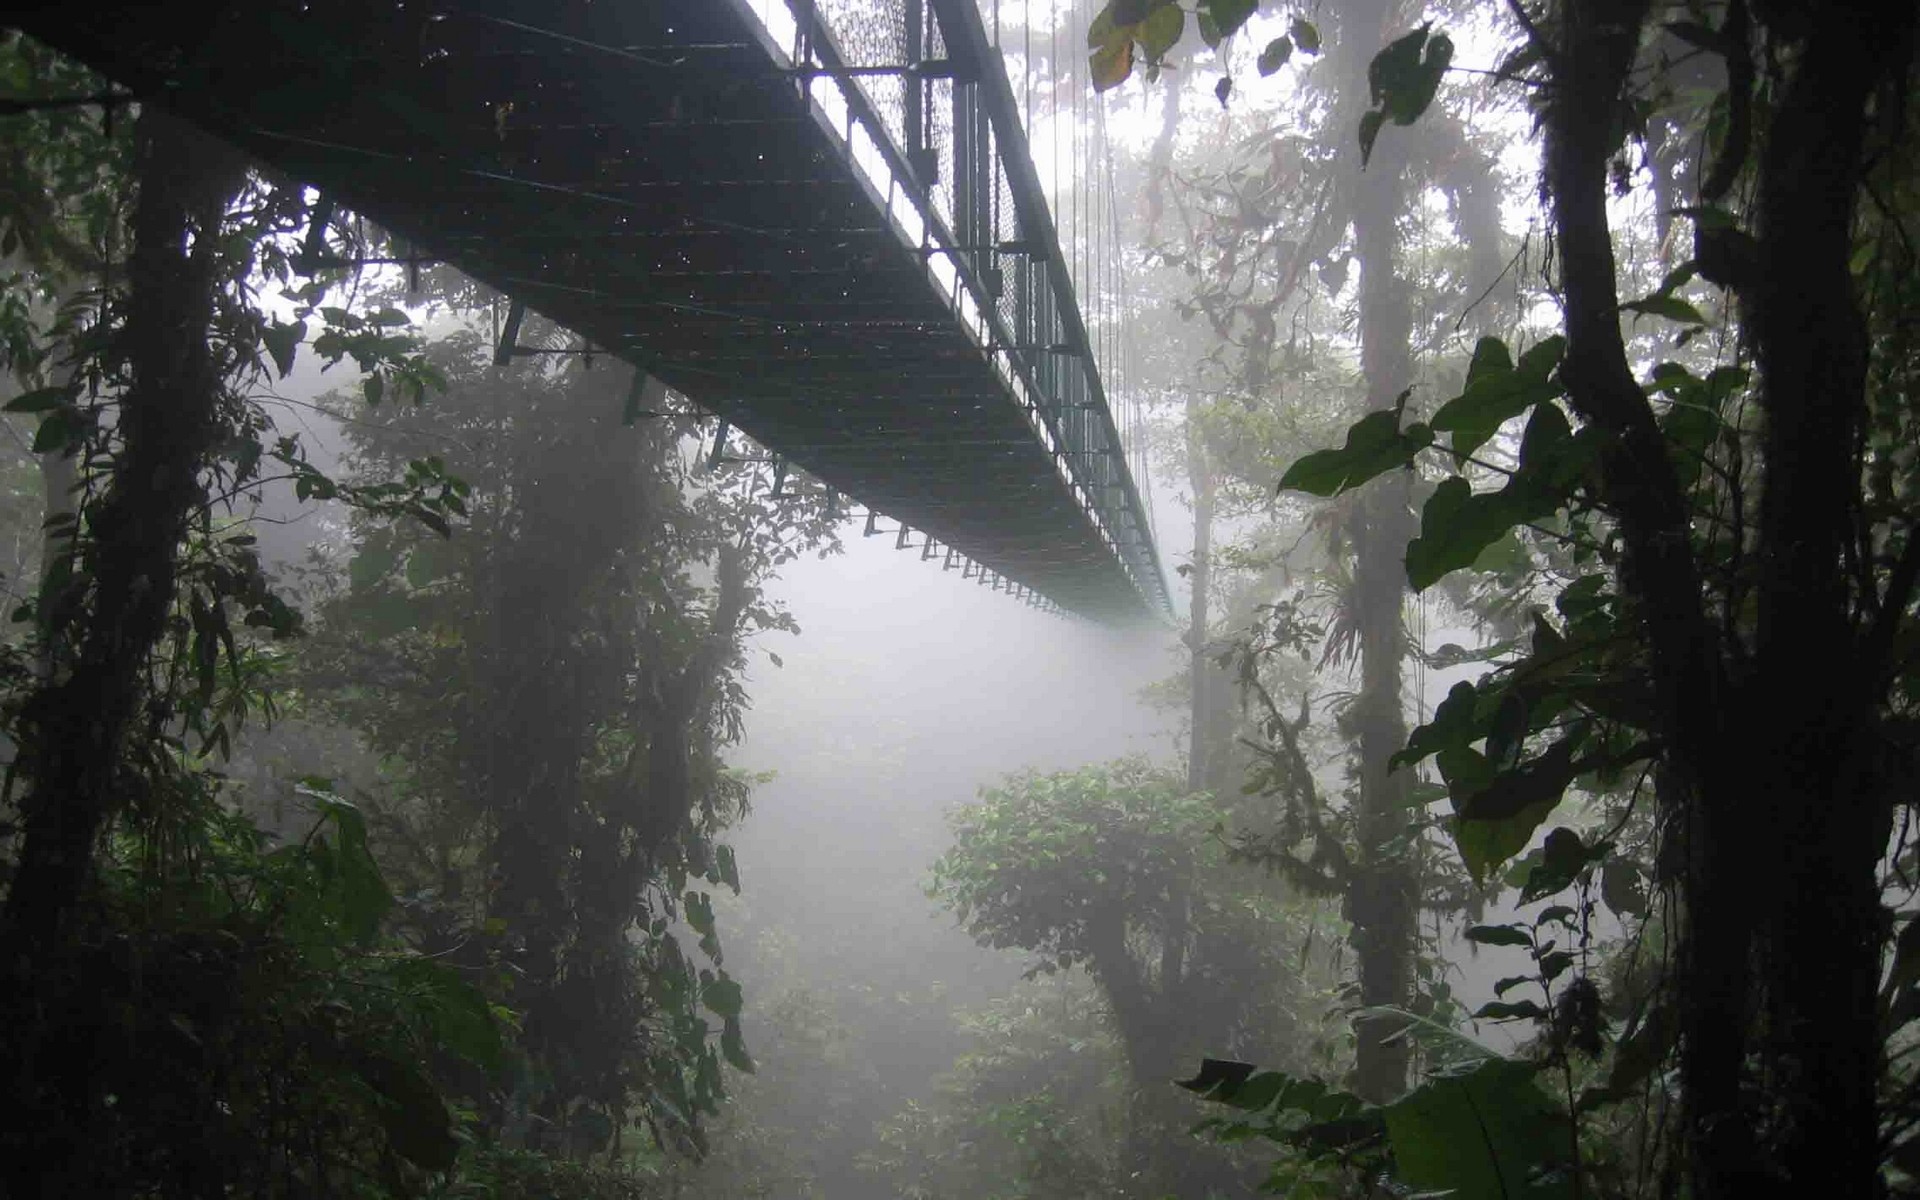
{"type": "Point", "coordinates": [1778, 775]}
{"type": "Point", "coordinates": [1381, 899]}
{"type": "Point", "coordinates": [79, 720]}
{"type": "Point", "coordinates": [1823, 804]}
{"type": "Point", "coordinates": [168, 424]}
{"type": "Point", "coordinates": [1201, 739]}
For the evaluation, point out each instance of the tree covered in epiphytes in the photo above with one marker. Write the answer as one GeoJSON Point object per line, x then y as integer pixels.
{"type": "Point", "coordinates": [189, 1008]}
{"type": "Point", "coordinates": [1116, 870]}
{"type": "Point", "coordinates": [1731, 517]}
{"type": "Point", "coordinates": [1321, 294]}
{"type": "Point", "coordinates": [553, 690]}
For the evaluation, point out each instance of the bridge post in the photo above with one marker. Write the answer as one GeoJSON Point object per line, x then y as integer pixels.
{"type": "Point", "coordinates": [920, 155]}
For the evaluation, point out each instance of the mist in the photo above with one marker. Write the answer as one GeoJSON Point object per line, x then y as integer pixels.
{"type": "Point", "coordinates": [959, 600]}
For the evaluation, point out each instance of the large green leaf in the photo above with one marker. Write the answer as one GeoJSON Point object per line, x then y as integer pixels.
{"type": "Point", "coordinates": [734, 1047]}
{"type": "Point", "coordinates": [461, 1020]}
{"type": "Point", "coordinates": [1494, 822]}
{"type": "Point", "coordinates": [1497, 391]}
{"type": "Point", "coordinates": [1456, 722]}
{"type": "Point", "coordinates": [723, 996]}
{"type": "Point", "coordinates": [40, 400]}
{"type": "Point", "coordinates": [1498, 935]}
{"type": "Point", "coordinates": [1161, 29]}
{"type": "Point", "coordinates": [1562, 860]}
{"type": "Point", "coordinates": [1457, 526]}
{"type": "Point", "coordinates": [1275, 56]}
{"type": "Point", "coordinates": [1485, 1134]}
{"type": "Point", "coordinates": [1404, 79]}
{"type": "Point", "coordinates": [1228, 16]}
{"type": "Point", "coordinates": [411, 1113]}
{"type": "Point", "coordinates": [1375, 445]}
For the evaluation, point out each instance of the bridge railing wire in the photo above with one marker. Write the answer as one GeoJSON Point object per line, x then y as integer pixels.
{"type": "Point", "coordinates": [921, 92]}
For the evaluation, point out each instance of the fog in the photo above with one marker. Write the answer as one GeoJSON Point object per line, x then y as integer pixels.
{"type": "Point", "coordinates": [906, 690]}
{"type": "Point", "coordinates": [580, 801]}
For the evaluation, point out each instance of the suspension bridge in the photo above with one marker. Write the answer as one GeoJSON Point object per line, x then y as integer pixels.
{"type": "Point", "coordinates": [824, 221]}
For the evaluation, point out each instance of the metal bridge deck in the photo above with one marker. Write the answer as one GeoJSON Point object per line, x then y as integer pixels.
{"type": "Point", "coordinates": [654, 175]}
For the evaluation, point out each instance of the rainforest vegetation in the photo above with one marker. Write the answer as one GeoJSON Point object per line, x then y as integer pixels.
{"type": "Point", "coordinates": [1521, 807]}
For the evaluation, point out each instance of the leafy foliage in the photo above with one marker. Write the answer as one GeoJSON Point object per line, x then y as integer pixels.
{"type": "Point", "coordinates": [560, 686]}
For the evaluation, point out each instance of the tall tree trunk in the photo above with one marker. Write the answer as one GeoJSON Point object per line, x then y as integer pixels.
{"type": "Point", "coordinates": [1201, 739]}
{"type": "Point", "coordinates": [1822, 798]}
{"type": "Point", "coordinates": [168, 424]}
{"type": "Point", "coordinates": [1778, 775]}
{"type": "Point", "coordinates": [1381, 899]}
{"type": "Point", "coordinates": [78, 722]}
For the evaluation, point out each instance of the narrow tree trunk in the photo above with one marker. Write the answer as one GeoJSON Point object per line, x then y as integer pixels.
{"type": "Point", "coordinates": [1381, 899]}
{"type": "Point", "coordinates": [1200, 583]}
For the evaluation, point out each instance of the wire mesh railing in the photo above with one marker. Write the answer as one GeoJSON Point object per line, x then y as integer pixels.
{"type": "Point", "coordinates": [1005, 189]}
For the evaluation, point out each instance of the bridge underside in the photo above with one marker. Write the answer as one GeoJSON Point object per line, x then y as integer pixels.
{"type": "Point", "coordinates": [646, 174]}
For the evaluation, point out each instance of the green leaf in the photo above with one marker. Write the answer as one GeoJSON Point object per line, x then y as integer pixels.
{"type": "Point", "coordinates": [1370, 124]}
{"type": "Point", "coordinates": [39, 400]}
{"type": "Point", "coordinates": [1493, 823]}
{"type": "Point", "coordinates": [1555, 964]}
{"type": "Point", "coordinates": [1671, 307]}
{"type": "Point", "coordinates": [1104, 29]}
{"type": "Point", "coordinates": [1582, 596]}
{"type": "Point", "coordinates": [60, 429]}
{"type": "Point", "coordinates": [1509, 1010]}
{"type": "Point", "coordinates": [1702, 36]}
{"type": "Point", "coordinates": [1219, 1078]}
{"type": "Point", "coordinates": [282, 342]}
{"type": "Point", "coordinates": [1510, 982]}
{"type": "Point", "coordinates": [1497, 390]}
{"type": "Point", "coordinates": [1456, 722]}
{"type": "Point", "coordinates": [1375, 445]}
{"type": "Point", "coordinates": [375, 388]}
{"type": "Point", "coordinates": [699, 910]}
{"type": "Point", "coordinates": [412, 1114]}
{"type": "Point", "coordinates": [461, 1019]}
{"type": "Point", "coordinates": [1209, 29]}
{"type": "Point", "coordinates": [734, 1048]}
{"type": "Point", "coordinates": [1457, 525]}
{"type": "Point", "coordinates": [1498, 935]}
{"type": "Point", "coordinates": [1305, 35]}
{"type": "Point", "coordinates": [1111, 64]}
{"type": "Point", "coordinates": [1486, 1134]}
{"type": "Point", "coordinates": [1564, 857]}
{"type": "Point", "coordinates": [1539, 360]}
{"type": "Point", "coordinates": [723, 996]}
{"type": "Point", "coordinates": [1275, 56]}
{"type": "Point", "coordinates": [1490, 357]}
{"type": "Point", "coordinates": [1162, 28]}
{"type": "Point", "coordinates": [1239, 1085]}
{"type": "Point", "coordinates": [354, 884]}
{"type": "Point", "coordinates": [1229, 15]}
{"type": "Point", "coordinates": [1403, 79]}
{"type": "Point", "coordinates": [1623, 888]}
